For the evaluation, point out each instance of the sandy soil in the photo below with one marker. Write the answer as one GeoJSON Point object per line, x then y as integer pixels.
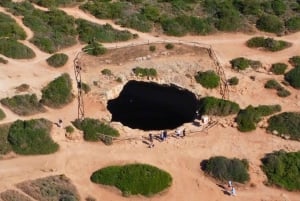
{"type": "Point", "coordinates": [181, 157]}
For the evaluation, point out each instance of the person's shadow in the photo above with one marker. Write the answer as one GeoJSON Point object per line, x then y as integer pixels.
{"type": "Point", "coordinates": [225, 191]}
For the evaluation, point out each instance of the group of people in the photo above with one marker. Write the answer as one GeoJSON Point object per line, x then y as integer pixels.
{"type": "Point", "coordinates": [164, 135]}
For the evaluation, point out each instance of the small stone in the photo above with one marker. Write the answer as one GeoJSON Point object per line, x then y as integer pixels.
{"type": "Point", "coordinates": [275, 132]}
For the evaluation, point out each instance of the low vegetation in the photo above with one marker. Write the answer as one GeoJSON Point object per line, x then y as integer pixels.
{"type": "Point", "coordinates": [93, 128]}
{"type": "Point", "coordinates": [107, 72]}
{"type": "Point", "coordinates": [94, 49]}
{"type": "Point", "coordinates": [293, 24]}
{"type": "Point", "coordinates": [286, 123]}
{"type": "Point", "coordinates": [225, 169]}
{"type": "Point", "coordinates": [282, 169]}
{"type": "Point", "coordinates": [13, 49]}
{"type": "Point", "coordinates": [55, 3]}
{"type": "Point", "coordinates": [295, 61]}
{"type": "Point", "coordinates": [281, 91]}
{"type": "Point", "coordinates": [85, 87]}
{"type": "Point", "coordinates": [91, 32]}
{"type": "Point", "coordinates": [50, 188]}
{"type": "Point", "coordinates": [23, 105]}
{"type": "Point", "coordinates": [292, 77]}
{"type": "Point", "coordinates": [69, 129]}
{"type": "Point", "coordinates": [57, 60]}
{"type": "Point", "coordinates": [3, 61]}
{"type": "Point", "coordinates": [250, 116]}
{"type": "Point", "coordinates": [278, 68]}
{"type": "Point", "coordinates": [58, 92]}
{"type": "Point", "coordinates": [5, 146]}
{"type": "Point", "coordinates": [208, 79]}
{"type": "Point", "coordinates": [31, 137]}
{"type": "Point", "coordinates": [22, 88]}
{"type": "Point", "coordinates": [218, 107]}
{"type": "Point", "coordinates": [13, 195]}
{"type": "Point", "coordinates": [270, 23]}
{"type": "Point", "coordinates": [242, 63]}
{"type": "Point", "coordinates": [2, 114]}
{"type": "Point", "coordinates": [134, 179]}
{"type": "Point", "coordinates": [169, 46]}
{"type": "Point", "coordinates": [144, 72]}
{"type": "Point", "coordinates": [10, 29]}
{"type": "Point", "coordinates": [269, 44]}
{"type": "Point", "coordinates": [233, 81]}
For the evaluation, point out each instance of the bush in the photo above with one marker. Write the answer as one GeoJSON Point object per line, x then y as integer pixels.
{"type": "Point", "coordinates": [22, 88]}
{"type": "Point", "coordinates": [287, 123]}
{"type": "Point", "coordinates": [278, 68]}
{"type": "Point", "coordinates": [10, 29]}
{"type": "Point", "coordinates": [208, 79]}
{"type": "Point", "coordinates": [294, 61]}
{"type": "Point", "coordinates": [31, 137]}
{"type": "Point", "coordinates": [94, 49]}
{"type": "Point", "coordinates": [3, 61]}
{"type": "Point", "coordinates": [11, 195]}
{"type": "Point", "coordinates": [23, 105]}
{"type": "Point", "coordinates": [152, 48]}
{"type": "Point", "coordinates": [240, 63]}
{"type": "Point", "coordinates": [15, 50]}
{"type": "Point", "coordinates": [283, 93]}
{"type": "Point", "coordinates": [282, 168]}
{"type": "Point", "coordinates": [58, 92]}
{"type": "Point", "coordinates": [57, 60]}
{"type": "Point", "coordinates": [106, 72]}
{"type": "Point", "coordinates": [293, 24]}
{"type": "Point", "coordinates": [91, 32]}
{"type": "Point", "coordinates": [134, 179]}
{"type": "Point", "coordinates": [5, 147]}
{"type": "Point", "coordinates": [272, 84]}
{"type": "Point", "coordinates": [69, 129]}
{"type": "Point", "coordinates": [93, 128]}
{"type": "Point", "coordinates": [225, 169]}
{"type": "Point", "coordinates": [278, 6]}
{"type": "Point", "coordinates": [55, 3]}
{"type": "Point", "coordinates": [137, 21]}
{"type": "Point", "coordinates": [85, 87]}
{"type": "Point", "coordinates": [249, 117]}
{"type": "Point", "coordinates": [169, 46]}
{"type": "Point", "coordinates": [270, 23]}
{"type": "Point", "coordinates": [145, 72]}
{"type": "Point", "coordinates": [268, 43]}
{"type": "Point", "coordinates": [292, 77]}
{"type": "Point", "coordinates": [233, 81]}
{"type": "Point", "coordinates": [215, 106]}
{"type": "Point", "coordinates": [2, 114]}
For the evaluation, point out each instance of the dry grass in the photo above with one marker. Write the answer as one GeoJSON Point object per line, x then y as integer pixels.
{"type": "Point", "coordinates": [13, 195]}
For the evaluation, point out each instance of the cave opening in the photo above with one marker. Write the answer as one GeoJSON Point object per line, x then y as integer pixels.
{"type": "Point", "coordinates": [152, 106]}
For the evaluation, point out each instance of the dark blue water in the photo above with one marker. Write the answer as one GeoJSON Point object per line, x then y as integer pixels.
{"type": "Point", "coordinates": [150, 106]}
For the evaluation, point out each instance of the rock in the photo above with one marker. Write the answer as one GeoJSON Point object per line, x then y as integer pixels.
{"type": "Point", "coordinates": [275, 132]}
{"type": "Point", "coordinates": [286, 137]}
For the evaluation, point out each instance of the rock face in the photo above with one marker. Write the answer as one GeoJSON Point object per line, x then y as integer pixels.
{"type": "Point", "coordinates": [151, 106]}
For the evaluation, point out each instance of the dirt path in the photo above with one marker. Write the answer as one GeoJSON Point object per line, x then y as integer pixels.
{"type": "Point", "coordinates": [78, 159]}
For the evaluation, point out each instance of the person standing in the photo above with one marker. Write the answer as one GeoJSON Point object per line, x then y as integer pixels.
{"type": "Point", "coordinates": [151, 140]}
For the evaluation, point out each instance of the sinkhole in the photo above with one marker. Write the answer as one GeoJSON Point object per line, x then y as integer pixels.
{"type": "Point", "coordinates": [151, 106]}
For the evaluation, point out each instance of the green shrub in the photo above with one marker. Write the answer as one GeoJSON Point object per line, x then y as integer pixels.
{"type": "Point", "coordinates": [3, 61]}
{"type": "Point", "coordinates": [293, 24]}
{"type": "Point", "coordinates": [145, 72]}
{"type": "Point", "coordinates": [278, 68]}
{"type": "Point", "coordinates": [292, 77]}
{"type": "Point", "coordinates": [23, 105]}
{"type": "Point", "coordinates": [89, 32]}
{"type": "Point", "coordinates": [215, 106]}
{"type": "Point", "coordinates": [270, 23]}
{"type": "Point", "coordinates": [31, 137]}
{"type": "Point", "coordinates": [55, 3]}
{"type": "Point", "coordinates": [22, 88]}
{"type": "Point", "coordinates": [137, 21]}
{"type": "Point", "coordinates": [15, 50]}
{"type": "Point", "coordinates": [5, 147]}
{"type": "Point", "coordinates": [119, 79]}
{"type": "Point", "coordinates": [94, 49]}
{"type": "Point", "coordinates": [272, 84]}
{"type": "Point", "coordinates": [268, 43]}
{"type": "Point", "coordinates": [93, 128]}
{"type": "Point", "coordinates": [134, 179]}
{"type": "Point", "coordinates": [69, 129]}
{"type": "Point", "coordinates": [233, 81]}
{"type": "Point", "coordinates": [282, 169]}
{"type": "Point", "coordinates": [2, 114]}
{"type": "Point", "coordinates": [208, 79]}
{"type": "Point", "coordinates": [152, 48]}
{"type": "Point", "coordinates": [85, 87]}
{"type": "Point", "coordinates": [106, 72]}
{"type": "Point", "coordinates": [240, 63]}
{"type": "Point", "coordinates": [249, 117]}
{"type": "Point", "coordinates": [57, 60]}
{"type": "Point", "coordinates": [294, 61]}
{"type": "Point", "coordinates": [279, 7]}
{"type": "Point", "coordinates": [225, 169]}
{"type": "Point", "coordinates": [10, 29]}
{"type": "Point", "coordinates": [283, 93]}
{"type": "Point", "coordinates": [287, 123]}
{"type": "Point", "coordinates": [58, 92]}
{"type": "Point", "coordinates": [169, 46]}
